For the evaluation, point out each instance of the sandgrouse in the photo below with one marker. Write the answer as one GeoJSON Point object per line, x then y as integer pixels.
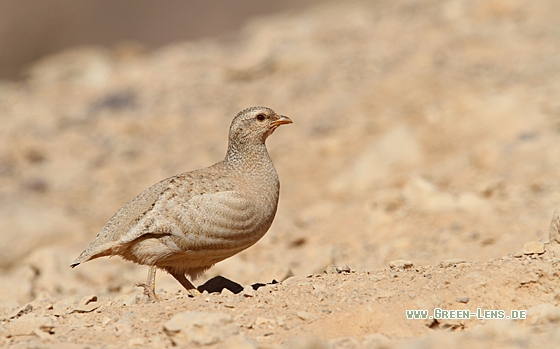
{"type": "Point", "coordinates": [187, 223]}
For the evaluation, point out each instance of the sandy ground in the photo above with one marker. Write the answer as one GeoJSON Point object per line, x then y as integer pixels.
{"type": "Point", "coordinates": [419, 173]}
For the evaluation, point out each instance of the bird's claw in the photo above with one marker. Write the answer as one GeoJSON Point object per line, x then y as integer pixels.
{"type": "Point", "coordinates": [148, 292]}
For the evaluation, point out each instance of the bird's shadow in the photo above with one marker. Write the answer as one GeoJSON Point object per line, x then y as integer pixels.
{"type": "Point", "coordinates": [218, 283]}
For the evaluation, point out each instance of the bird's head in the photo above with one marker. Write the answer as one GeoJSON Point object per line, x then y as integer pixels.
{"type": "Point", "coordinates": [253, 125]}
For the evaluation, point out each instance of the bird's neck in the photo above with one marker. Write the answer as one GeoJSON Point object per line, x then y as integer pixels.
{"type": "Point", "coordinates": [249, 156]}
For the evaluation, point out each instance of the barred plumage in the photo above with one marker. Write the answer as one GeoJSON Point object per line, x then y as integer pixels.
{"type": "Point", "coordinates": [187, 223]}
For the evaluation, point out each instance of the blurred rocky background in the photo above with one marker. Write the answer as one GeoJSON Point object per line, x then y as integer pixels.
{"type": "Point", "coordinates": [423, 130]}
{"type": "Point", "coordinates": [30, 30]}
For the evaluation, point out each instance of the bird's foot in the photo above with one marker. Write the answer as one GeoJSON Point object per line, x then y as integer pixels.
{"type": "Point", "coordinates": [148, 292]}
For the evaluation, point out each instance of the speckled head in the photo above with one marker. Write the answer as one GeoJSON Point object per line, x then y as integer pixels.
{"type": "Point", "coordinates": [253, 125]}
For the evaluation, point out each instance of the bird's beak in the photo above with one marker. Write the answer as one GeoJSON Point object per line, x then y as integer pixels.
{"type": "Point", "coordinates": [282, 120]}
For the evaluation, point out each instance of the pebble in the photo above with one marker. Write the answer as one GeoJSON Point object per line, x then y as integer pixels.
{"type": "Point", "coordinates": [446, 263]}
{"type": "Point", "coordinates": [61, 308]}
{"type": "Point", "coordinates": [264, 321]}
{"type": "Point", "coordinates": [463, 299]}
{"type": "Point", "coordinates": [533, 247]}
{"type": "Point", "coordinates": [105, 321]}
{"type": "Point", "coordinates": [248, 291]}
{"type": "Point", "coordinates": [21, 311]}
{"type": "Point", "coordinates": [226, 292]}
{"type": "Point", "coordinates": [401, 264]}
{"type": "Point", "coordinates": [306, 316]}
{"type": "Point", "coordinates": [88, 304]}
{"type": "Point", "coordinates": [333, 269]}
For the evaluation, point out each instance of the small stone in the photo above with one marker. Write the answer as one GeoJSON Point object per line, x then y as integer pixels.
{"type": "Point", "coordinates": [463, 299]}
{"type": "Point", "coordinates": [401, 264]}
{"type": "Point", "coordinates": [87, 306]}
{"type": "Point", "coordinates": [344, 269]}
{"type": "Point", "coordinates": [248, 291]}
{"type": "Point", "coordinates": [533, 247]}
{"type": "Point", "coordinates": [554, 231]}
{"type": "Point", "coordinates": [446, 263]}
{"type": "Point", "coordinates": [226, 292]}
{"type": "Point", "coordinates": [518, 254]}
{"type": "Point", "coordinates": [306, 316]}
{"type": "Point", "coordinates": [61, 308]}
{"type": "Point", "coordinates": [88, 299]}
{"type": "Point", "coordinates": [263, 321]}
{"type": "Point", "coordinates": [292, 280]}
{"type": "Point", "coordinates": [333, 269]}
{"type": "Point", "coordinates": [21, 311]}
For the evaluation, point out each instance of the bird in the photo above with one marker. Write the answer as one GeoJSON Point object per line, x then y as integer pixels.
{"type": "Point", "coordinates": [188, 222]}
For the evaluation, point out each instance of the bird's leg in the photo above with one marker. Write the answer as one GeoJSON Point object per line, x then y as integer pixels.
{"type": "Point", "coordinates": [186, 284]}
{"type": "Point", "coordinates": [150, 285]}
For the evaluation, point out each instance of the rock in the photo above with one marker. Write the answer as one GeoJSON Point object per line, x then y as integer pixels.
{"type": "Point", "coordinates": [344, 269]}
{"type": "Point", "coordinates": [264, 321]}
{"type": "Point", "coordinates": [554, 231]}
{"type": "Point", "coordinates": [226, 292]}
{"type": "Point", "coordinates": [533, 247]}
{"type": "Point", "coordinates": [61, 308]}
{"type": "Point", "coordinates": [27, 324]}
{"type": "Point", "coordinates": [88, 304]}
{"type": "Point", "coordinates": [463, 299]}
{"type": "Point", "coordinates": [86, 308]}
{"type": "Point", "coordinates": [401, 264]}
{"type": "Point", "coordinates": [446, 263]}
{"type": "Point", "coordinates": [198, 328]}
{"type": "Point", "coordinates": [26, 309]}
{"type": "Point", "coordinates": [294, 280]}
{"type": "Point", "coordinates": [306, 316]}
{"type": "Point", "coordinates": [248, 291]}
{"type": "Point", "coordinates": [333, 269]}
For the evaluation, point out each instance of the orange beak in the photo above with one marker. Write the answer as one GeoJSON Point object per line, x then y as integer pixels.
{"type": "Point", "coordinates": [282, 120]}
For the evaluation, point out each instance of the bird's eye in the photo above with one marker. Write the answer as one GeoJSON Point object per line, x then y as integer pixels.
{"type": "Point", "coordinates": [261, 117]}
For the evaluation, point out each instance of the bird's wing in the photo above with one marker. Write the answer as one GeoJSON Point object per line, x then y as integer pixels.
{"type": "Point", "coordinates": [220, 220]}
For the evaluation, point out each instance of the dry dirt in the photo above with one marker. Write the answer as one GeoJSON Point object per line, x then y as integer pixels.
{"type": "Point", "coordinates": [424, 131]}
